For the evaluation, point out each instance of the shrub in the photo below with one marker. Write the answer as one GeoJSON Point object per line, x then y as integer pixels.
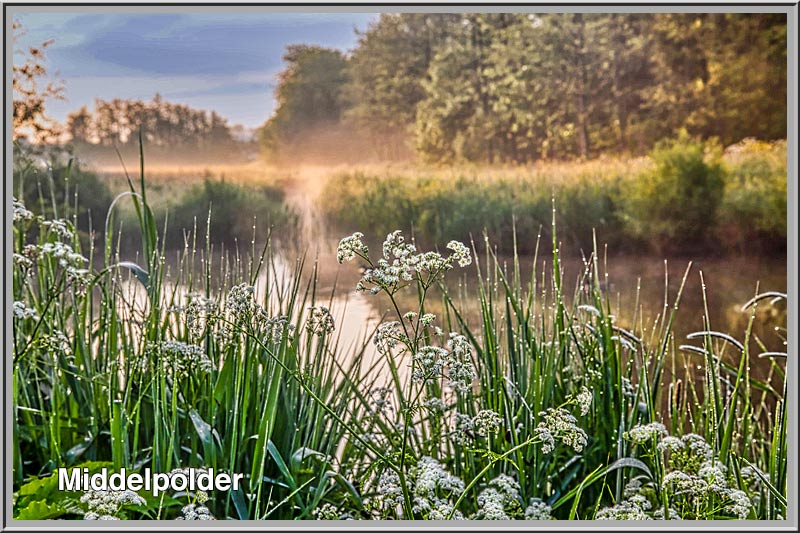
{"type": "Point", "coordinates": [753, 213]}
{"type": "Point", "coordinates": [675, 202]}
{"type": "Point", "coordinates": [234, 211]}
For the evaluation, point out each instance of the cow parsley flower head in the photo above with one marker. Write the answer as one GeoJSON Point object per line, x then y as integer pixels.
{"type": "Point", "coordinates": [491, 505]}
{"type": "Point", "coordinates": [624, 510]}
{"type": "Point", "coordinates": [388, 335]}
{"type": "Point", "coordinates": [320, 322]}
{"type": "Point", "coordinates": [463, 428]}
{"type": "Point", "coordinates": [106, 504]}
{"type": "Point", "coordinates": [429, 362]}
{"type": "Point", "coordinates": [670, 443]}
{"type": "Point", "coordinates": [559, 424]}
{"type": "Point", "coordinates": [395, 247]}
{"type": "Point", "coordinates": [23, 312]}
{"type": "Point", "coordinates": [431, 481]}
{"type": "Point", "coordinates": [538, 510]}
{"type": "Point", "coordinates": [178, 358]}
{"type": "Point", "coordinates": [461, 253]}
{"type": "Point", "coordinates": [350, 247]}
{"type": "Point", "coordinates": [584, 400]}
{"type": "Point", "coordinates": [390, 493]}
{"type": "Point", "coordinates": [240, 300]}
{"type": "Point", "coordinates": [645, 433]}
{"type": "Point", "coordinates": [193, 511]}
{"type": "Point", "coordinates": [21, 214]}
{"type": "Point", "coordinates": [487, 422]}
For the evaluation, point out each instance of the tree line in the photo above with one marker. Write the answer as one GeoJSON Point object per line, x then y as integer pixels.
{"type": "Point", "coordinates": [515, 88]}
{"type": "Point", "coordinates": [164, 126]}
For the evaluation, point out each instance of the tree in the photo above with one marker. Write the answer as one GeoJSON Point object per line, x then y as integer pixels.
{"type": "Point", "coordinates": [31, 90]}
{"type": "Point", "coordinates": [309, 95]}
{"type": "Point", "coordinates": [387, 71]}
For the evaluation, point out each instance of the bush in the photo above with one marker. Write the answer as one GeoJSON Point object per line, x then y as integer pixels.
{"type": "Point", "coordinates": [234, 211]}
{"type": "Point", "coordinates": [62, 188]}
{"type": "Point", "coordinates": [675, 203]}
{"type": "Point", "coordinates": [754, 212]}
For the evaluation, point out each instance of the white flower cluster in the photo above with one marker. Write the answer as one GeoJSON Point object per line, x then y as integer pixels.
{"type": "Point", "coordinates": [400, 262]}
{"type": "Point", "coordinates": [198, 312]}
{"type": "Point", "coordinates": [239, 301]}
{"type": "Point", "coordinates": [463, 430]}
{"type": "Point", "coordinates": [538, 510]}
{"type": "Point", "coordinates": [390, 493]}
{"type": "Point", "coordinates": [350, 247]}
{"type": "Point", "coordinates": [694, 481]}
{"type": "Point", "coordinates": [435, 405]}
{"type": "Point", "coordinates": [62, 228]}
{"type": "Point", "coordinates": [487, 422]}
{"type": "Point", "coordinates": [388, 336]}
{"type": "Point", "coordinates": [380, 402]}
{"type": "Point", "coordinates": [21, 214]}
{"type": "Point", "coordinates": [584, 400]}
{"type": "Point", "coordinates": [106, 504]}
{"type": "Point", "coordinates": [624, 510]}
{"type": "Point", "coordinates": [455, 364]}
{"type": "Point", "coordinates": [320, 321]}
{"type": "Point", "coordinates": [328, 511]}
{"type": "Point", "coordinates": [23, 312]}
{"type": "Point", "coordinates": [193, 511]}
{"type": "Point", "coordinates": [500, 500]}
{"type": "Point", "coordinates": [67, 258]}
{"type": "Point", "coordinates": [432, 488]}
{"type": "Point", "coordinates": [178, 358]}
{"type": "Point", "coordinates": [559, 424]}
{"type": "Point", "coordinates": [643, 434]}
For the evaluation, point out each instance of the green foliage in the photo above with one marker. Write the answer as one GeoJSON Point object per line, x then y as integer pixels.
{"type": "Point", "coordinates": [674, 205]}
{"type": "Point", "coordinates": [40, 499]}
{"type": "Point", "coordinates": [56, 185]}
{"type": "Point", "coordinates": [236, 212]}
{"type": "Point", "coordinates": [753, 214]}
{"type": "Point", "coordinates": [517, 88]}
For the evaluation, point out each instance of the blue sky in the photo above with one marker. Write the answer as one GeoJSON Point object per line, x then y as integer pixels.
{"type": "Point", "coordinates": [225, 62]}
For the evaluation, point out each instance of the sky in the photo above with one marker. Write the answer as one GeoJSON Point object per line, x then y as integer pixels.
{"type": "Point", "coordinates": [222, 62]}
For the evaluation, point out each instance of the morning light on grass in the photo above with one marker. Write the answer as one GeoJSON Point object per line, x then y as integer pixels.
{"type": "Point", "coordinates": [469, 266]}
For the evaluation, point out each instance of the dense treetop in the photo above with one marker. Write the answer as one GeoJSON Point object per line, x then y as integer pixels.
{"type": "Point", "coordinates": [514, 88]}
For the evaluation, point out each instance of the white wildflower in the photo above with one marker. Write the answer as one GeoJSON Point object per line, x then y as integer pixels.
{"type": "Point", "coordinates": [21, 214]}
{"type": "Point", "coordinates": [538, 510]}
{"type": "Point", "coordinates": [487, 422]}
{"type": "Point", "coordinates": [179, 358]}
{"type": "Point", "coordinates": [320, 322]}
{"type": "Point", "coordinates": [106, 504]}
{"type": "Point", "coordinates": [670, 443]}
{"type": "Point", "coordinates": [23, 312]}
{"type": "Point", "coordinates": [560, 424]}
{"type": "Point", "coordinates": [463, 429]}
{"type": "Point", "coordinates": [461, 253]}
{"type": "Point", "coordinates": [740, 504]}
{"type": "Point", "coordinates": [239, 301]}
{"type": "Point", "coordinates": [435, 405]}
{"type": "Point", "coordinates": [195, 512]}
{"type": "Point", "coordinates": [430, 360]}
{"type": "Point", "coordinates": [60, 227]}
{"type": "Point", "coordinates": [387, 336]}
{"type": "Point", "coordinates": [389, 490]}
{"type": "Point", "coordinates": [645, 433]}
{"type": "Point", "coordinates": [584, 400]}
{"type": "Point", "coordinates": [351, 246]}
{"type": "Point", "coordinates": [427, 319]}
{"type": "Point", "coordinates": [625, 510]}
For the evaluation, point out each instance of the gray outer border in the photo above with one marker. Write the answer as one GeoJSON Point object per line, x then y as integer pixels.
{"type": "Point", "coordinates": [791, 10]}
